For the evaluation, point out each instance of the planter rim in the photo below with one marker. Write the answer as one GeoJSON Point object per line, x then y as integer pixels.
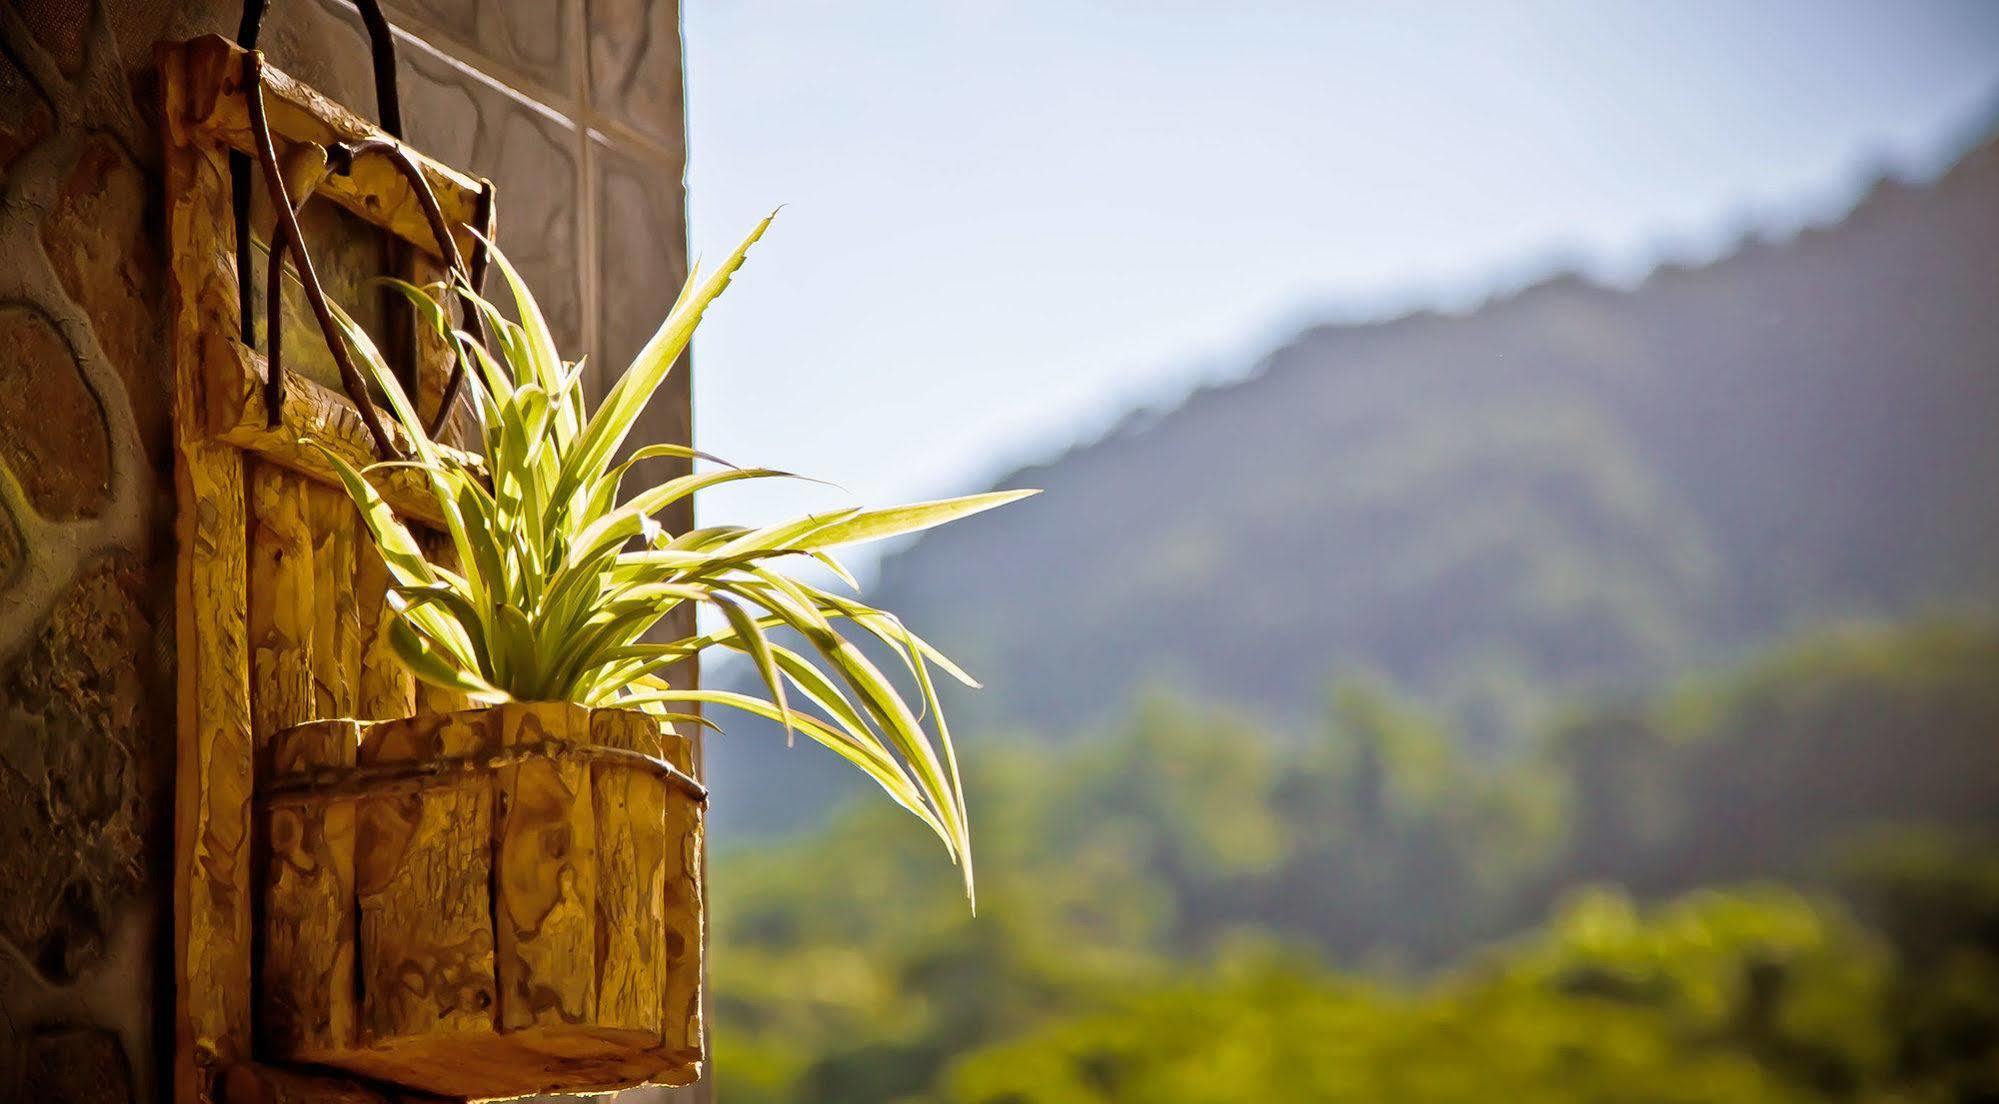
{"type": "Point", "coordinates": [322, 781]}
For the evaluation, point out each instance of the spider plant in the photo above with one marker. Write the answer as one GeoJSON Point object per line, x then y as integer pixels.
{"type": "Point", "coordinates": [559, 576]}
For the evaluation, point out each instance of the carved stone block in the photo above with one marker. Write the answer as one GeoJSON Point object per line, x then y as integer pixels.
{"type": "Point", "coordinates": [531, 38]}
{"type": "Point", "coordinates": [635, 66]}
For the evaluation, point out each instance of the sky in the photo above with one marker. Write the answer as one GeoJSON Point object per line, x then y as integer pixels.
{"type": "Point", "coordinates": [1006, 225]}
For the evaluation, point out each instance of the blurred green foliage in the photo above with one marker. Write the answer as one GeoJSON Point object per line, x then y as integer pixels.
{"type": "Point", "coordinates": [1751, 996]}
{"type": "Point", "coordinates": [1196, 906]}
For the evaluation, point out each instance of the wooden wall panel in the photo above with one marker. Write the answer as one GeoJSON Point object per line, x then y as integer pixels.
{"type": "Point", "coordinates": [387, 689]}
{"type": "Point", "coordinates": [213, 749]}
{"type": "Point", "coordinates": [279, 606]}
{"type": "Point", "coordinates": [336, 650]}
{"type": "Point", "coordinates": [307, 999]}
{"type": "Point", "coordinates": [281, 554]}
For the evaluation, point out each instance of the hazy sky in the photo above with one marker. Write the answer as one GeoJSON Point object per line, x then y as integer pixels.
{"type": "Point", "coordinates": [1008, 223]}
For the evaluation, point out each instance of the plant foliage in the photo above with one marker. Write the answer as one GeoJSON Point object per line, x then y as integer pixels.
{"type": "Point", "coordinates": [558, 576]}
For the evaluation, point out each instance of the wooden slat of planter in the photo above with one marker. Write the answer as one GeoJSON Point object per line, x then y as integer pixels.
{"type": "Point", "coordinates": [308, 1004]}
{"type": "Point", "coordinates": [631, 859]}
{"type": "Point", "coordinates": [421, 878]}
{"type": "Point", "coordinates": [387, 689]}
{"type": "Point", "coordinates": [422, 871]}
{"type": "Point", "coordinates": [546, 910]}
{"type": "Point", "coordinates": [686, 916]}
{"type": "Point", "coordinates": [280, 602]}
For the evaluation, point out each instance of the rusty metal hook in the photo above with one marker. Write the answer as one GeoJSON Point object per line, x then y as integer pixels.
{"type": "Point", "coordinates": [291, 194]}
{"type": "Point", "coordinates": [305, 166]}
{"type": "Point", "coordinates": [468, 279]}
{"type": "Point", "coordinates": [288, 229]}
{"type": "Point", "coordinates": [388, 104]}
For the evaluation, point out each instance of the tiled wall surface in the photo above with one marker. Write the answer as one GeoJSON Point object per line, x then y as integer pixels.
{"type": "Point", "coordinates": [573, 109]}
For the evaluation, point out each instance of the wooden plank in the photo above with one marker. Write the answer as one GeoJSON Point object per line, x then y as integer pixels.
{"type": "Point", "coordinates": [215, 110]}
{"type": "Point", "coordinates": [280, 602]}
{"type": "Point", "coordinates": [213, 747]}
{"type": "Point", "coordinates": [387, 690]}
{"type": "Point", "coordinates": [336, 646]}
{"type": "Point", "coordinates": [546, 877]}
{"type": "Point", "coordinates": [311, 411]}
{"type": "Point", "coordinates": [630, 808]}
{"type": "Point", "coordinates": [423, 864]}
{"type": "Point", "coordinates": [212, 773]}
{"type": "Point", "coordinates": [308, 1006]}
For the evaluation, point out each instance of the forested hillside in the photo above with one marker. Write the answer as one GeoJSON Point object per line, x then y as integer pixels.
{"type": "Point", "coordinates": [1355, 909]}
{"type": "Point", "coordinates": [1570, 489]}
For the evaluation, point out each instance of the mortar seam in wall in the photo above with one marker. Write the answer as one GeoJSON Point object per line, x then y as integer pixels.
{"type": "Point", "coordinates": [55, 553]}
{"type": "Point", "coordinates": [588, 246]}
{"type": "Point", "coordinates": [117, 992]}
{"type": "Point", "coordinates": [531, 95]}
{"type": "Point", "coordinates": [625, 140]}
{"type": "Point", "coordinates": [42, 71]}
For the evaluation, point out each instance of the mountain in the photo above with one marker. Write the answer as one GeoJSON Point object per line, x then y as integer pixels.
{"type": "Point", "coordinates": [1570, 489]}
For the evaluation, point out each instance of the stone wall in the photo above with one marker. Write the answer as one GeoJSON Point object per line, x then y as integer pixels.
{"type": "Point", "coordinates": [573, 107]}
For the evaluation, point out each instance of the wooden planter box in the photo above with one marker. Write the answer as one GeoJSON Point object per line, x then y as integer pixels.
{"type": "Point", "coordinates": [490, 902]}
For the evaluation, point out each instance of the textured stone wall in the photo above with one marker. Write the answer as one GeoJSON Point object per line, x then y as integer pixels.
{"type": "Point", "coordinates": [573, 107]}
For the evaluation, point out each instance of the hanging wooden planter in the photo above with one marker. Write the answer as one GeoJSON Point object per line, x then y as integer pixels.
{"type": "Point", "coordinates": [516, 890]}
{"type": "Point", "coordinates": [369, 875]}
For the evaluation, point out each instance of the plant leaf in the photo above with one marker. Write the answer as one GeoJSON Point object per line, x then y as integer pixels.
{"type": "Point", "coordinates": [894, 521]}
